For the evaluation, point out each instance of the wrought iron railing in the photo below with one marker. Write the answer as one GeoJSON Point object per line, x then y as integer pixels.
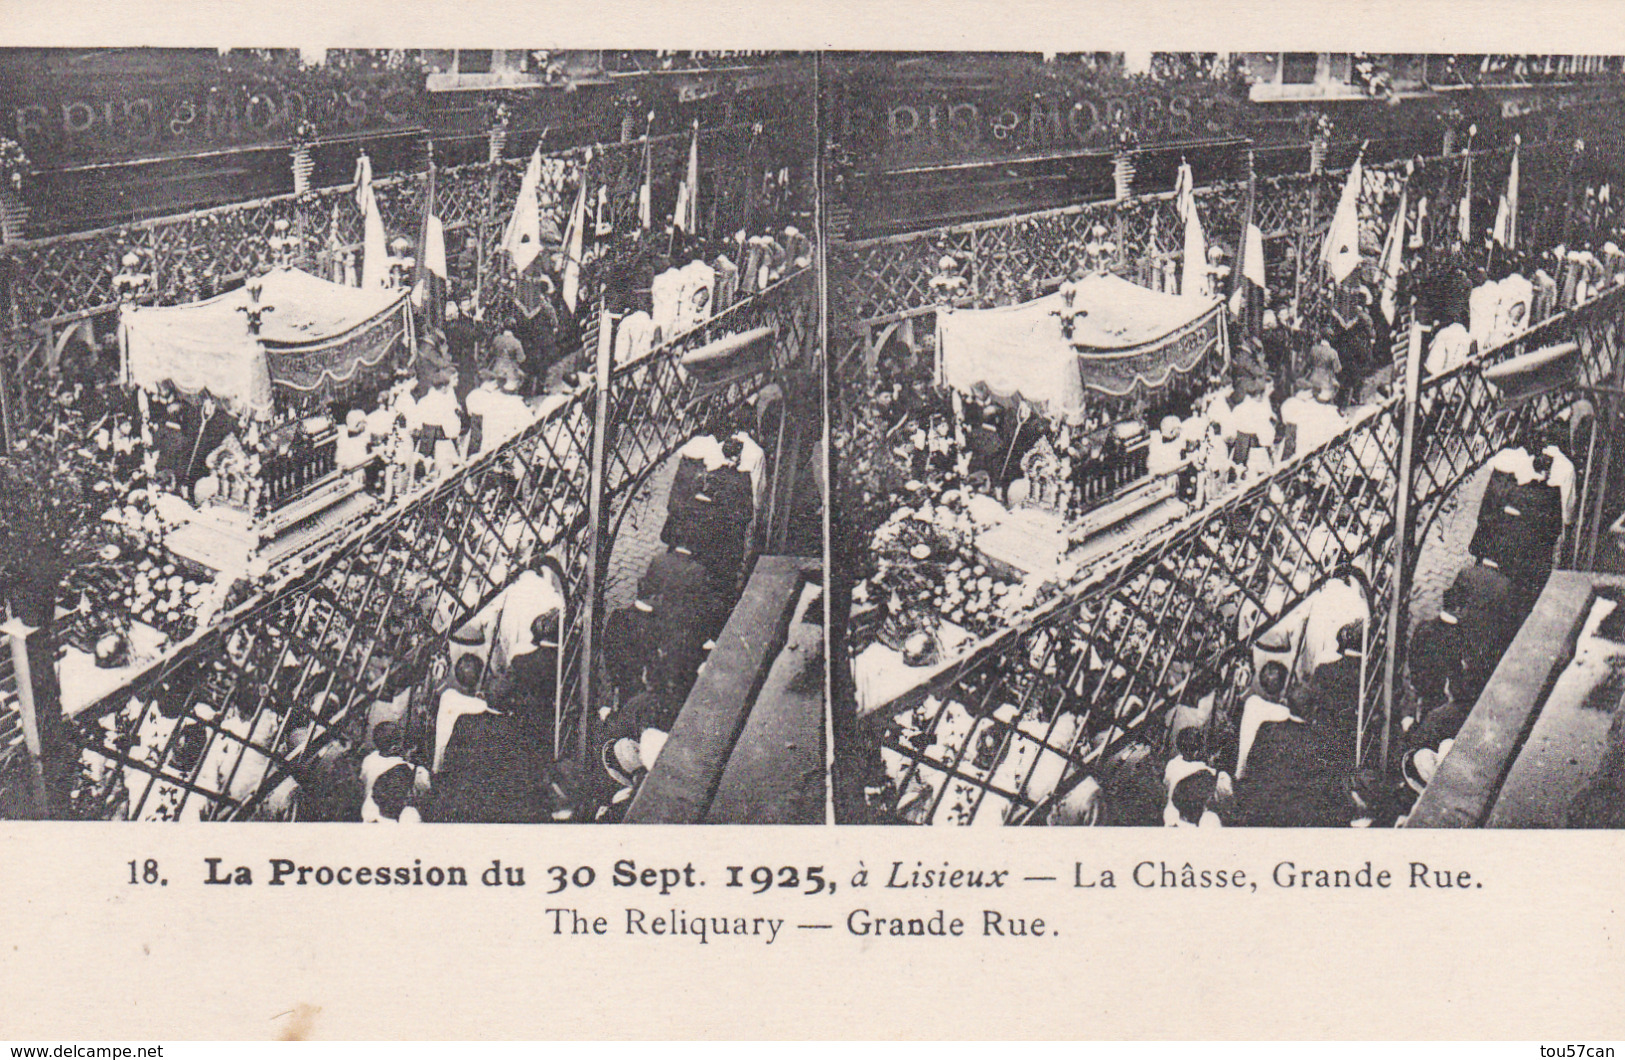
{"type": "Point", "coordinates": [1015, 259]}
{"type": "Point", "coordinates": [52, 283]}
{"type": "Point", "coordinates": [278, 678]}
{"type": "Point", "coordinates": [1031, 711]}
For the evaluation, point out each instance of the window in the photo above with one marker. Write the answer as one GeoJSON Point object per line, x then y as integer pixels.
{"type": "Point", "coordinates": [1298, 68]}
{"type": "Point", "coordinates": [474, 62]}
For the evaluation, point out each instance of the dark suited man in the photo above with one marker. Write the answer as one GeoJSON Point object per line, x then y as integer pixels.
{"type": "Point", "coordinates": [529, 691]}
{"type": "Point", "coordinates": [1491, 610]}
{"type": "Point", "coordinates": [1535, 529]}
{"type": "Point", "coordinates": [492, 771]}
{"type": "Point", "coordinates": [1296, 771]}
{"type": "Point", "coordinates": [710, 512]}
{"type": "Point", "coordinates": [462, 344]}
{"type": "Point", "coordinates": [677, 582]}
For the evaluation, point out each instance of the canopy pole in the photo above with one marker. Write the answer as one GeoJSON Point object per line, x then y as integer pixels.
{"type": "Point", "coordinates": [1402, 531]}
{"type": "Point", "coordinates": [597, 547]}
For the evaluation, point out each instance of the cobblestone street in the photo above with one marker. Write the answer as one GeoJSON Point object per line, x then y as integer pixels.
{"type": "Point", "coordinates": [1444, 552]}
{"type": "Point", "coordinates": [639, 539]}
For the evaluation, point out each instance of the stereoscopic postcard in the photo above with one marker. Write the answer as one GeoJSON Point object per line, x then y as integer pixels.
{"type": "Point", "coordinates": [1115, 528]}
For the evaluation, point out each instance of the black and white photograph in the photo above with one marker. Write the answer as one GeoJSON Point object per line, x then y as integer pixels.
{"type": "Point", "coordinates": [1227, 439]}
{"type": "Point", "coordinates": [1217, 438]}
{"type": "Point", "coordinates": [411, 435]}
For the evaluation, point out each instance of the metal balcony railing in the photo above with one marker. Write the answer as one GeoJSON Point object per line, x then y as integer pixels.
{"type": "Point", "coordinates": [52, 283]}
{"type": "Point", "coordinates": [1016, 259]}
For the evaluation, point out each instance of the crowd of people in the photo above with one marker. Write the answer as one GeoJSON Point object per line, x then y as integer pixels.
{"type": "Point", "coordinates": [1287, 390]}
{"type": "Point", "coordinates": [1273, 734]}
{"type": "Point", "coordinates": [1272, 744]}
{"type": "Point", "coordinates": [480, 737]}
{"type": "Point", "coordinates": [654, 648]}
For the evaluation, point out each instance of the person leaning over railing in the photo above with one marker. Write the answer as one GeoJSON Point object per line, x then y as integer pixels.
{"type": "Point", "coordinates": [1520, 519]}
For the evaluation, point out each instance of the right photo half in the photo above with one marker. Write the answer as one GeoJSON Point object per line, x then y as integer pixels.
{"type": "Point", "coordinates": [1226, 439]}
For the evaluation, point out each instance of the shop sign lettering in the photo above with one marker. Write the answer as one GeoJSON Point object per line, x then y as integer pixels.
{"type": "Point", "coordinates": [893, 133]}
{"type": "Point", "coordinates": [77, 127]}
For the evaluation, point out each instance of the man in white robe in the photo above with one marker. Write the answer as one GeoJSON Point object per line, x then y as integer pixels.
{"type": "Point", "coordinates": [1513, 309]}
{"type": "Point", "coordinates": [1451, 348]}
{"type": "Point", "coordinates": [1166, 453]}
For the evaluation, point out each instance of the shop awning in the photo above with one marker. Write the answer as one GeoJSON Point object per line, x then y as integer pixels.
{"type": "Point", "coordinates": [1126, 339]}
{"type": "Point", "coordinates": [314, 336]}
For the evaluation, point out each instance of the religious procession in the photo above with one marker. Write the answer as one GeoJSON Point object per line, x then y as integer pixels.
{"type": "Point", "coordinates": [474, 484]}
{"type": "Point", "coordinates": [1221, 498]}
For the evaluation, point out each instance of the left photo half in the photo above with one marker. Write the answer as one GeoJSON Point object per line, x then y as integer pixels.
{"type": "Point", "coordinates": [398, 436]}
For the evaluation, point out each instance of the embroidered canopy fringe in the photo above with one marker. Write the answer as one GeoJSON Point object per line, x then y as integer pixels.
{"type": "Point", "coordinates": [314, 336]}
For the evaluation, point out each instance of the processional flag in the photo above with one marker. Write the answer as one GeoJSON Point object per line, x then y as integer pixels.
{"type": "Point", "coordinates": [428, 283]}
{"type": "Point", "coordinates": [434, 248]}
{"type": "Point", "coordinates": [1465, 214]}
{"type": "Point", "coordinates": [1506, 211]}
{"type": "Point", "coordinates": [1341, 252]}
{"type": "Point", "coordinates": [523, 237]}
{"type": "Point", "coordinates": [687, 214]}
{"type": "Point", "coordinates": [573, 238]}
{"type": "Point", "coordinates": [1250, 281]}
{"type": "Point", "coordinates": [645, 192]}
{"type": "Point", "coordinates": [1393, 249]}
{"type": "Point", "coordinates": [1193, 277]}
{"type": "Point", "coordinates": [1253, 265]}
{"type": "Point", "coordinates": [374, 254]}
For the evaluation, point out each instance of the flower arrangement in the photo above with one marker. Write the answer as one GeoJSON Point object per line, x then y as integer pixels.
{"type": "Point", "coordinates": [14, 166]}
{"type": "Point", "coordinates": [1317, 126]}
{"type": "Point", "coordinates": [498, 114]}
{"type": "Point", "coordinates": [49, 525]}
